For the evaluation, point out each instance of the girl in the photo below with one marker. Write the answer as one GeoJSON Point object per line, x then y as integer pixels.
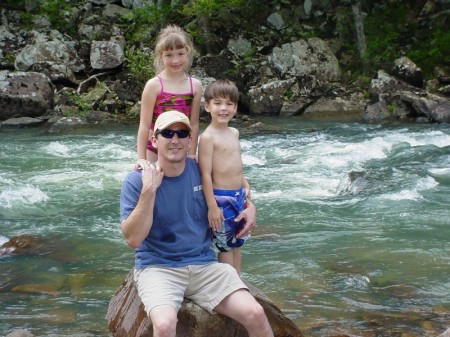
{"type": "Point", "coordinates": [171, 89]}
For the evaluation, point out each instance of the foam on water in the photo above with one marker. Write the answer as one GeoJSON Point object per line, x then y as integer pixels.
{"type": "Point", "coordinates": [96, 184]}
{"type": "Point", "coordinates": [441, 171]}
{"type": "Point", "coordinates": [415, 139]}
{"type": "Point", "coordinates": [57, 149]}
{"type": "Point", "coordinates": [414, 192]}
{"type": "Point", "coordinates": [21, 195]}
{"type": "Point", "coordinates": [3, 239]}
{"type": "Point", "coordinates": [5, 180]}
{"type": "Point", "coordinates": [112, 151]}
{"type": "Point", "coordinates": [249, 160]}
{"type": "Point", "coordinates": [344, 155]}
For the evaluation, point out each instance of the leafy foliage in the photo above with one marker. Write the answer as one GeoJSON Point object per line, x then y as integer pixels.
{"type": "Point", "coordinates": [55, 10]}
{"type": "Point", "coordinates": [143, 20]}
{"type": "Point", "coordinates": [140, 66]}
{"type": "Point", "coordinates": [390, 34]}
{"type": "Point", "coordinates": [382, 28]}
{"type": "Point", "coordinates": [27, 20]}
{"type": "Point", "coordinates": [433, 50]}
{"type": "Point", "coordinates": [207, 7]}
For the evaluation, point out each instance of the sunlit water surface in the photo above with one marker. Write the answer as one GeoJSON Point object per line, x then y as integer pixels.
{"type": "Point", "coordinates": [353, 228]}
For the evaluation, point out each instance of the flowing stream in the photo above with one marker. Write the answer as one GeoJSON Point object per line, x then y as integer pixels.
{"type": "Point", "coordinates": [353, 231]}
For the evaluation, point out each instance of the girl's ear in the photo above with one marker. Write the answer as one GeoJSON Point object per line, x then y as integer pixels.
{"type": "Point", "coordinates": [154, 142]}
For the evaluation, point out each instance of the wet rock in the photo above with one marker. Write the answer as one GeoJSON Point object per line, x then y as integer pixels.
{"type": "Point", "coordinates": [42, 289]}
{"type": "Point", "coordinates": [446, 333]}
{"type": "Point", "coordinates": [126, 317]}
{"type": "Point", "coordinates": [22, 122]}
{"type": "Point", "coordinates": [408, 71]}
{"type": "Point", "coordinates": [394, 99]}
{"type": "Point", "coordinates": [20, 333]}
{"type": "Point", "coordinates": [24, 244]}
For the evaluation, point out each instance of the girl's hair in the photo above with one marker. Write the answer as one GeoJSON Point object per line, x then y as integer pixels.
{"type": "Point", "coordinates": [169, 38]}
{"type": "Point", "coordinates": [222, 89]}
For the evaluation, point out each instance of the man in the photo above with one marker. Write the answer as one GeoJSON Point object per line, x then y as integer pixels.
{"type": "Point", "coordinates": [164, 217]}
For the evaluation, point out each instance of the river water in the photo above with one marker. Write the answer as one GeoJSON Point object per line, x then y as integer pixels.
{"type": "Point", "coordinates": [353, 231]}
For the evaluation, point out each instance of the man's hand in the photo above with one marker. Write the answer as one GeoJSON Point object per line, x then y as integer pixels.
{"type": "Point", "coordinates": [152, 176]}
{"type": "Point", "coordinates": [249, 215]}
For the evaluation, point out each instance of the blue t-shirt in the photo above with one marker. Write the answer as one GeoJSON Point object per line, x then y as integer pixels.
{"type": "Point", "coordinates": [180, 234]}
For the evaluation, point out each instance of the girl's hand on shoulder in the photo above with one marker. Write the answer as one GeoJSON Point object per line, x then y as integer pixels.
{"type": "Point", "coordinates": [141, 164]}
{"type": "Point", "coordinates": [194, 157]}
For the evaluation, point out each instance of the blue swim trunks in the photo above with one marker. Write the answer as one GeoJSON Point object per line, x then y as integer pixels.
{"type": "Point", "coordinates": [231, 203]}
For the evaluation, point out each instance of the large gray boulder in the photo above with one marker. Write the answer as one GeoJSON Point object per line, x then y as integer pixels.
{"type": "Point", "coordinates": [394, 99]}
{"type": "Point", "coordinates": [25, 94]}
{"type": "Point", "coordinates": [106, 54]}
{"type": "Point", "coordinates": [52, 48]}
{"type": "Point", "coordinates": [305, 70]}
{"type": "Point", "coordinates": [310, 57]}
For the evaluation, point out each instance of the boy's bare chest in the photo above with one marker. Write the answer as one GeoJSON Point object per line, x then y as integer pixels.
{"type": "Point", "coordinates": [227, 147]}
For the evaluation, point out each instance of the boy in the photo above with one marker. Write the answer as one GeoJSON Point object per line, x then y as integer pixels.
{"type": "Point", "coordinates": [224, 185]}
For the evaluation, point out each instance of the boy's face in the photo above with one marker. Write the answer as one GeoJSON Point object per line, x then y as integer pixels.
{"type": "Point", "coordinates": [222, 109]}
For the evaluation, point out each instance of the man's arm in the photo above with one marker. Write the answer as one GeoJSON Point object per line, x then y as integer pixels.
{"type": "Point", "coordinates": [137, 225]}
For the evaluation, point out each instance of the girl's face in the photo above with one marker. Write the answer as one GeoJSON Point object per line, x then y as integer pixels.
{"type": "Point", "coordinates": [175, 60]}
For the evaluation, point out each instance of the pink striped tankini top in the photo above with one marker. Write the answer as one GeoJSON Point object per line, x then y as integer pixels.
{"type": "Point", "coordinates": [166, 101]}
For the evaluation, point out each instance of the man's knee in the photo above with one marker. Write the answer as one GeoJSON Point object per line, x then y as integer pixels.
{"type": "Point", "coordinates": [258, 312]}
{"type": "Point", "coordinates": [257, 317]}
{"type": "Point", "coordinates": [164, 327]}
{"type": "Point", "coordinates": [164, 320]}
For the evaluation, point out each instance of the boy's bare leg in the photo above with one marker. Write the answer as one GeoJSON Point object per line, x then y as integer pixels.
{"type": "Point", "coordinates": [233, 257]}
{"type": "Point", "coordinates": [237, 259]}
{"type": "Point", "coordinates": [226, 257]}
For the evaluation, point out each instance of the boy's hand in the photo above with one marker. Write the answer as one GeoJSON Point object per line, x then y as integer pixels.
{"type": "Point", "coordinates": [215, 218]}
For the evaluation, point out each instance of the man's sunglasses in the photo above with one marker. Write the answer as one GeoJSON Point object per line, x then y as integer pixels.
{"type": "Point", "coordinates": [167, 133]}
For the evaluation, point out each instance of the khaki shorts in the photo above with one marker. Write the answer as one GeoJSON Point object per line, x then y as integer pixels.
{"type": "Point", "coordinates": [206, 285]}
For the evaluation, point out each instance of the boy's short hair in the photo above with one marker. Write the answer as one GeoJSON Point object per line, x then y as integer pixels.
{"type": "Point", "coordinates": [222, 89]}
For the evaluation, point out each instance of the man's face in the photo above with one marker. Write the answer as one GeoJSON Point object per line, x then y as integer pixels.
{"type": "Point", "coordinates": [173, 142]}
